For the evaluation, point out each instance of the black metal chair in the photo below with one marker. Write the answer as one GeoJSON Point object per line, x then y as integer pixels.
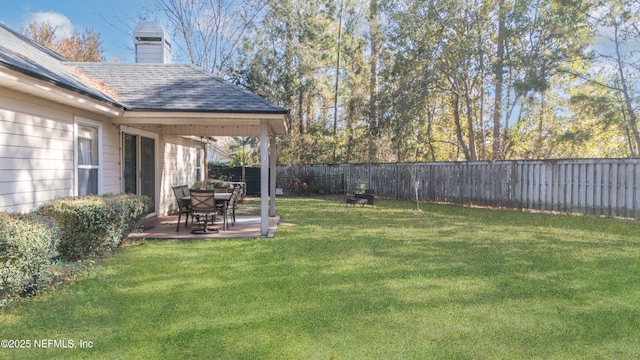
{"type": "Point", "coordinates": [204, 210]}
{"type": "Point", "coordinates": [181, 192]}
{"type": "Point", "coordinates": [232, 206]}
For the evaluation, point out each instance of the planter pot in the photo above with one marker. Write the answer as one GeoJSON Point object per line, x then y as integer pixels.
{"type": "Point", "coordinates": [369, 197]}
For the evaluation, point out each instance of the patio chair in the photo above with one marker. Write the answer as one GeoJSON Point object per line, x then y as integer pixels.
{"type": "Point", "coordinates": [241, 187]}
{"type": "Point", "coordinates": [184, 206]}
{"type": "Point", "coordinates": [231, 207]}
{"type": "Point", "coordinates": [204, 210]}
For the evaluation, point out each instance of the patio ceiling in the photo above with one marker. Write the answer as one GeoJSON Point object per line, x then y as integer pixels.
{"type": "Point", "coordinates": [204, 123]}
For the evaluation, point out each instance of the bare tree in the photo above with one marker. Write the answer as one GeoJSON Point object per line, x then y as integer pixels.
{"type": "Point", "coordinates": [212, 30]}
{"type": "Point", "coordinates": [617, 62]}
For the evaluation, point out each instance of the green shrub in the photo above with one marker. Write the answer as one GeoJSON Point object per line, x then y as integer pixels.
{"type": "Point", "coordinates": [129, 210]}
{"type": "Point", "coordinates": [27, 243]}
{"type": "Point", "coordinates": [92, 225]}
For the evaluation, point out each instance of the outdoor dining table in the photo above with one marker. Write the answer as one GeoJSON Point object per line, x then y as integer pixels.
{"type": "Point", "coordinates": [219, 197]}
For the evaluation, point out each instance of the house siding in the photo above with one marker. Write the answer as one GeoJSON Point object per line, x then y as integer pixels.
{"type": "Point", "coordinates": [151, 53]}
{"type": "Point", "coordinates": [36, 151]}
{"type": "Point", "coordinates": [178, 168]}
{"type": "Point", "coordinates": [111, 168]}
{"type": "Point", "coordinates": [37, 160]}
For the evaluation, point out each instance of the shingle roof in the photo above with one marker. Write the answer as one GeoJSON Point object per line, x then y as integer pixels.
{"type": "Point", "coordinates": [140, 87]}
{"type": "Point", "coordinates": [24, 55]}
{"type": "Point", "coordinates": [175, 87]}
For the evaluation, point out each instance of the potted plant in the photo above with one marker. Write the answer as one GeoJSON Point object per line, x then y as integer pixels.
{"type": "Point", "coordinates": [199, 185]}
{"type": "Point", "coordinates": [220, 185]}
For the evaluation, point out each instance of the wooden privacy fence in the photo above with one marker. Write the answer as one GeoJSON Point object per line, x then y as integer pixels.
{"type": "Point", "coordinates": [609, 187]}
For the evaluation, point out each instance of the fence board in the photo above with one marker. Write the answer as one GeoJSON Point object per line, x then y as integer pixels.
{"type": "Point", "coordinates": [613, 189]}
{"type": "Point", "coordinates": [608, 187]}
{"type": "Point", "coordinates": [636, 190]}
{"type": "Point", "coordinates": [628, 199]}
{"type": "Point", "coordinates": [597, 188]}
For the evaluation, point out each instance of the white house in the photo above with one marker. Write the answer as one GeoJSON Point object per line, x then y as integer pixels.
{"type": "Point", "coordinates": [218, 152]}
{"type": "Point", "coordinates": [69, 129]}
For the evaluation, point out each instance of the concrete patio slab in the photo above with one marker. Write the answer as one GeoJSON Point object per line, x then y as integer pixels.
{"type": "Point", "coordinates": [164, 227]}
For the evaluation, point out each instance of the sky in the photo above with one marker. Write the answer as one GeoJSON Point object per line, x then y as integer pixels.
{"type": "Point", "coordinates": [113, 19]}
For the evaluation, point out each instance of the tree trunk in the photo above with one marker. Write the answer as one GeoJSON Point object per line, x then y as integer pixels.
{"type": "Point", "coordinates": [301, 111]}
{"type": "Point", "coordinates": [541, 137]}
{"type": "Point", "coordinates": [499, 69]}
{"type": "Point", "coordinates": [483, 151]}
{"type": "Point", "coordinates": [374, 125]}
{"type": "Point", "coordinates": [289, 73]}
{"type": "Point", "coordinates": [335, 99]}
{"type": "Point", "coordinates": [471, 133]}
{"type": "Point", "coordinates": [456, 119]}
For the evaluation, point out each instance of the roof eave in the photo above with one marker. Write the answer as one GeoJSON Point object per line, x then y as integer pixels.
{"type": "Point", "coordinates": [42, 86]}
{"type": "Point", "coordinates": [276, 111]}
{"type": "Point", "coordinates": [180, 118]}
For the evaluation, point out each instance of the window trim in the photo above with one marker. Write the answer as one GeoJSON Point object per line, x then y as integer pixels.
{"type": "Point", "coordinates": [77, 122]}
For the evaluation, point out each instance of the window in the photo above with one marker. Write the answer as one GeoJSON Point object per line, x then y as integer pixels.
{"type": "Point", "coordinates": [88, 159]}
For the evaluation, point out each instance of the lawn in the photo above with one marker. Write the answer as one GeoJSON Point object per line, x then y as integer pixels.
{"type": "Point", "coordinates": [357, 283]}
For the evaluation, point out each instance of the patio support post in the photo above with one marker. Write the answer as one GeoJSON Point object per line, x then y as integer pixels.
{"type": "Point", "coordinates": [264, 178]}
{"type": "Point", "coordinates": [272, 176]}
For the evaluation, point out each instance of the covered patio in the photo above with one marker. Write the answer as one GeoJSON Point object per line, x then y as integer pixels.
{"type": "Point", "coordinates": [201, 125]}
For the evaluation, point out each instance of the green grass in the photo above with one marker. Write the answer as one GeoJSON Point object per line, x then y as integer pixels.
{"type": "Point", "coordinates": [358, 283]}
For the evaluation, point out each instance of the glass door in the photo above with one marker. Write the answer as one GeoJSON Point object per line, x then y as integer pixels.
{"type": "Point", "coordinates": [148, 168]}
{"type": "Point", "coordinates": [130, 144]}
{"type": "Point", "coordinates": [140, 166]}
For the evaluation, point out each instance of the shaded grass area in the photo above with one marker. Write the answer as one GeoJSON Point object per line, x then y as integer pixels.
{"type": "Point", "coordinates": [355, 283]}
